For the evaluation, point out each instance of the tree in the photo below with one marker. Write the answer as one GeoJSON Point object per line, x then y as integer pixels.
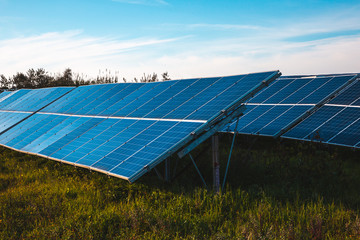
{"type": "Point", "coordinates": [39, 78]}
{"type": "Point", "coordinates": [66, 79]}
{"type": "Point", "coordinates": [4, 82]}
{"type": "Point", "coordinates": [20, 80]}
{"type": "Point", "coordinates": [165, 76]}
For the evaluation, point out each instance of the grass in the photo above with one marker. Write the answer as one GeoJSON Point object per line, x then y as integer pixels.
{"type": "Point", "coordinates": [275, 190]}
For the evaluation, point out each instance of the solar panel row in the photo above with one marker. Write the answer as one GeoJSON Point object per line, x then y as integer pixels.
{"type": "Point", "coordinates": [300, 108]}
{"type": "Point", "coordinates": [121, 129]}
{"type": "Point", "coordinates": [337, 122]}
{"type": "Point", "coordinates": [284, 101]}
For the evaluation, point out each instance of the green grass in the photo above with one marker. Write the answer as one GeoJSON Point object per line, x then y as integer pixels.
{"type": "Point", "coordinates": [275, 190]}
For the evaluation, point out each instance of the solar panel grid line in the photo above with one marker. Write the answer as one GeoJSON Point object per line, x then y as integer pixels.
{"type": "Point", "coordinates": [5, 95]}
{"type": "Point", "coordinates": [241, 99]}
{"type": "Point", "coordinates": [97, 96]}
{"type": "Point", "coordinates": [124, 143]}
{"type": "Point", "coordinates": [254, 90]}
{"type": "Point", "coordinates": [346, 92]}
{"type": "Point", "coordinates": [78, 136]}
{"type": "Point", "coordinates": [344, 129]}
{"type": "Point", "coordinates": [324, 101]}
{"type": "Point", "coordinates": [340, 105]}
{"type": "Point", "coordinates": [124, 93]}
{"type": "Point", "coordinates": [280, 104]}
{"type": "Point", "coordinates": [88, 94]}
{"type": "Point", "coordinates": [262, 104]}
{"type": "Point", "coordinates": [114, 117]}
{"type": "Point", "coordinates": [91, 140]}
{"type": "Point", "coordinates": [13, 133]}
{"type": "Point", "coordinates": [114, 136]}
{"type": "Point", "coordinates": [11, 98]}
{"type": "Point", "coordinates": [290, 106]}
{"type": "Point", "coordinates": [314, 107]}
{"type": "Point", "coordinates": [26, 117]}
{"type": "Point", "coordinates": [324, 86]}
{"type": "Point", "coordinates": [125, 97]}
{"type": "Point", "coordinates": [197, 94]}
{"type": "Point", "coordinates": [44, 126]}
{"type": "Point", "coordinates": [15, 111]}
{"type": "Point", "coordinates": [216, 96]}
{"type": "Point", "coordinates": [134, 101]}
{"type": "Point", "coordinates": [173, 96]}
{"type": "Point", "coordinates": [48, 127]}
{"type": "Point", "coordinates": [21, 99]}
{"type": "Point", "coordinates": [143, 148]}
{"type": "Point", "coordinates": [78, 95]}
{"type": "Point", "coordinates": [270, 91]}
{"type": "Point", "coordinates": [239, 108]}
{"type": "Point", "coordinates": [332, 117]}
{"type": "Point", "coordinates": [144, 95]}
{"type": "Point", "coordinates": [55, 134]}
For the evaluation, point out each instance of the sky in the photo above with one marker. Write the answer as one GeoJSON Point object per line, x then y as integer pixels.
{"type": "Point", "coordinates": [198, 38]}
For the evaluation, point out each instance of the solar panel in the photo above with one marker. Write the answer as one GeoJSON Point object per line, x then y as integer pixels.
{"type": "Point", "coordinates": [286, 101]}
{"type": "Point", "coordinates": [337, 122]}
{"type": "Point", "coordinates": [16, 106]}
{"type": "Point", "coordinates": [126, 129]}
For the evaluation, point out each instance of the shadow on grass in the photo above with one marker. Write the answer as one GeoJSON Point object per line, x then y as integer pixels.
{"type": "Point", "coordinates": [286, 171]}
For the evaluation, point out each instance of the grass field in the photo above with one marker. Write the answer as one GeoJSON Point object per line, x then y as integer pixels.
{"type": "Point", "coordinates": [275, 190]}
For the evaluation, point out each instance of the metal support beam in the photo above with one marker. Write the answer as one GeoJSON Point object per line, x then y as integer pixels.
{"type": "Point", "coordinates": [216, 163]}
{"type": "Point", "coordinates": [167, 170]}
{"type": "Point", "coordinates": [231, 150]}
{"type": "Point", "coordinates": [158, 174]}
{"type": "Point", "coordinates": [197, 169]}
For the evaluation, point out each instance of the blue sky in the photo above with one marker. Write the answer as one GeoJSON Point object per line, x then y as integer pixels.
{"type": "Point", "coordinates": [186, 38]}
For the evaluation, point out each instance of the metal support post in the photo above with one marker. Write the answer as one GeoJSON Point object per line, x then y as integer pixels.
{"type": "Point", "coordinates": [197, 169]}
{"type": "Point", "coordinates": [216, 163]}
{"type": "Point", "coordinates": [167, 170]}
{"type": "Point", "coordinates": [231, 150]}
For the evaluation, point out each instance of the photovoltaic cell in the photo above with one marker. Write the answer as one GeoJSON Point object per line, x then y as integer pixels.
{"type": "Point", "coordinates": [121, 129]}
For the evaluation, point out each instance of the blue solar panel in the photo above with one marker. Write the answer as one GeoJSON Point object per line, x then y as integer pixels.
{"type": "Point", "coordinates": [285, 101]}
{"type": "Point", "coordinates": [32, 100]}
{"type": "Point", "coordinates": [8, 119]}
{"type": "Point", "coordinates": [4, 94]}
{"type": "Point", "coordinates": [336, 122]}
{"type": "Point", "coordinates": [123, 129]}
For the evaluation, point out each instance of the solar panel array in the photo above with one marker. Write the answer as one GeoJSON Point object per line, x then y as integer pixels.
{"type": "Point", "coordinates": [124, 129]}
{"type": "Point", "coordinates": [337, 122]}
{"type": "Point", "coordinates": [300, 107]}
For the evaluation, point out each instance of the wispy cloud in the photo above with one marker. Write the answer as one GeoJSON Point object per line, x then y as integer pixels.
{"type": "Point", "coordinates": [325, 44]}
{"type": "Point", "coordinates": [143, 2]}
{"type": "Point", "coordinates": [57, 50]}
{"type": "Point", "coordinates": [225, 26]}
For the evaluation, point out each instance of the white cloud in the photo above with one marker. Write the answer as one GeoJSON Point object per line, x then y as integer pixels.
{"type": "Point", "coordinates": [337, 55]}
{"type": "Point", "coordinates": [55, 51]}
{"type": "Point", "coordinates": [216, 26]}
{"type": "Point", "coordinates": [264, 49]}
